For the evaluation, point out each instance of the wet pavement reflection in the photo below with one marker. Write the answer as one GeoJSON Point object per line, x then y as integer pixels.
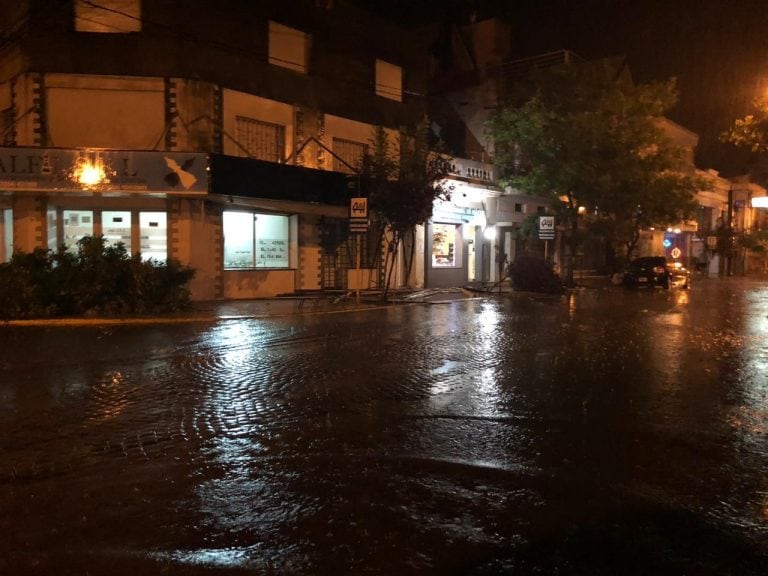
{"type": "Point", "coordinates": [602, 432]}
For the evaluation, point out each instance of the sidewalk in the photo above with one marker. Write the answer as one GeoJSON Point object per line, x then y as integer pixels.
{"type": "Point", "coordinates": [215, 310]}
{"type": "Point", "coordinates": [317, 303]}
{"type": "Point", "coordinates": [288, 305]}
{"type": "Point", "coordinates": [284, 306]}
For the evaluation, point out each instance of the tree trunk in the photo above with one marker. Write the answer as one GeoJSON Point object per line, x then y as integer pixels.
{"type": "Point", "coordinates": [571, 240]}
{"type": "Point", "coordinates": [571, 252]}
{"type": "Point", "coordinates": [389, 261]}
{"type": "Point", "coordinates": [409, 249]}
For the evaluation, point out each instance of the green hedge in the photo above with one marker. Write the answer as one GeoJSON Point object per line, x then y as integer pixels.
{"type": "Point", "coordinates": [97, 280]}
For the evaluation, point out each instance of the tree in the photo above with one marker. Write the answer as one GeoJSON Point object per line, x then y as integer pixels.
{"type": "Point", "coordinates": [751, 131]}
{"type": "Point", "coordinates": [584, 135]}
{"type": "Point", "coordinates": [402, 192]}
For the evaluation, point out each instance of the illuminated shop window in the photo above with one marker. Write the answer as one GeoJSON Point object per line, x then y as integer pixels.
{"type": "Point", "coordinates": [352, 154]}
{"type": "Point", "coordinates": [126, 226]}
{"type": "Point", "coordinates": [76, 225]}
{"type": "Point", "coordinates": [254, 240]}
{"type": "Point", "coordinates": [116, 228]}
{"type": "Point", "coordinates": [288, 47]}
{"type": "Point", "coordinates": [153, 232]}
{"type": "Point", "coordinates": [108, 16]}
{"type": "Point", "coordinates": [6, 234]}
{"type": "Point", "coordinates": [445, 242]}
{"type": "Point", "coordinates": [389, 80]}
{"type": "Point", "coordinates": [53, 227]}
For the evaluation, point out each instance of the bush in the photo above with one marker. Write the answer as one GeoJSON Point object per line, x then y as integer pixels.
{"type": "Point", "coordinates": [99, 279]}
{"type": "Point", "coordinates": [534, 274]}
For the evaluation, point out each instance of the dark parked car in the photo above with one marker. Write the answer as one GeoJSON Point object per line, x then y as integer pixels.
{"type": "Point", "coordinates": [654, 271]}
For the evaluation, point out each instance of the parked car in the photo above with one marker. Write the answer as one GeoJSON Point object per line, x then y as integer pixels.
{"type": "Point", "coordinates": [652, 271]}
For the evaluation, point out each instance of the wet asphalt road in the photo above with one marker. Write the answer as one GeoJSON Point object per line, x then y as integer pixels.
{"type": "Point", "coordinates": [602, 433]}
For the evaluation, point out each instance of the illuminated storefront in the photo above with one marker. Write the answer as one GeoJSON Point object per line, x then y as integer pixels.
{"type": "Point", "coordinates": [236, 221]}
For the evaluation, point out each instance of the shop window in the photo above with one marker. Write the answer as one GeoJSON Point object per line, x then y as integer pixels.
{"type": "Point", "coordinates": [253, 240]}
{"type": "Point", "coordinates": [348, 155]}
{"type": "Point", "coordinates": [153, 233]}
{"type": "Point", "coordinates": [53, 229]}
{"type": "Point", "coordinates": [76, 224]}
{"type": "Point", "coordinates": [288, 47]}
{"type": "Point", "coordinates": [389, 80]}
{"type": "Point", "coordinates": [261, 140]}
{"type": "Point", "coordinates": [144, 232]}
{"type": "Point", "coordinates": [108, 16]}
{"type": "Point", "coordinates": [116, 228]}
{"type": "Point", "coordinates": [6, 234]}
{"type": "Point", "coordinates": [445, 242]}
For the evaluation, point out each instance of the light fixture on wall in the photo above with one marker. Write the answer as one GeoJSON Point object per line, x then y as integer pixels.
{"type": "Point", "coordinates": [90, 170]}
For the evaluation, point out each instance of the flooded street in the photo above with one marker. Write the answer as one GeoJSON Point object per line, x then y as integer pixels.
{"type": "Point", "coordinates": [605, 432]}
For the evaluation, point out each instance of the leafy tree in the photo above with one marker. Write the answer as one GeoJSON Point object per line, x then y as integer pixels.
{"type": "Point", "coordinates": [751, 131]}
{"type": "Point", "coordinates": [402, 191]}
{"type": "Point", "coordinates": [584, 135]}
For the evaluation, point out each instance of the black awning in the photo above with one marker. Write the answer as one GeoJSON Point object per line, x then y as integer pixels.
{"type": "Point", "coordinates": [234, 176]}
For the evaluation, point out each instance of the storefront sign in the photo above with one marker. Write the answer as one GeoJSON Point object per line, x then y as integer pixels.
{"type": "Point", "coordinates": [58, 169]}
{"type": "Point", "coordinates": [272, 252]}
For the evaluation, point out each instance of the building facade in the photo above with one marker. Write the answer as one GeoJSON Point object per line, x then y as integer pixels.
{"type": "Point", "coordinates": [466, 85]}
{"type": "Point", "coordinates": [476, 69]}
{"type": "Point", "coordinates": [224, 138]}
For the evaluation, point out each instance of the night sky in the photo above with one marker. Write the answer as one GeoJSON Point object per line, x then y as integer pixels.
{"type": "Point", "coordinates": [717, 49]}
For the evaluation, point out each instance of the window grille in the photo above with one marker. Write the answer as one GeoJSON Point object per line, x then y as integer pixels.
{"type": "Point", "coordinates": [352, 154]}
{"type": "Point", "coordinates": [261, 140]}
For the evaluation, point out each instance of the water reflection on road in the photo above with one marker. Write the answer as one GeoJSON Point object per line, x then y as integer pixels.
{"type": "Point", "coordinates": [603, 432]}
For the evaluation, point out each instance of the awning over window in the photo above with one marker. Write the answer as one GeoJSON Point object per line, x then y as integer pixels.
{"type": "Point", "coordinates": [250, 178]}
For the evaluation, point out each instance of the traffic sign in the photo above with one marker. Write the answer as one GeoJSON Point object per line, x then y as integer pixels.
{"type": "Point", "coordinates": [358, 208]}
{"type": "Point", "coordinates": [359, 224]}
{"type": "Point", "coordinates": [546, 227]}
